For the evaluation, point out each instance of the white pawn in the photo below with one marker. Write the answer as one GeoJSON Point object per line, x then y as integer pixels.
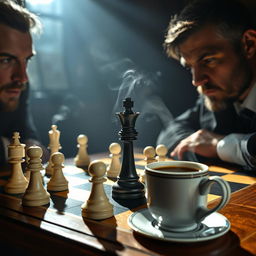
{"type": "Point", "coordinates": [54, 146]}
{"type": "Point", "coordinates": [97, 207]}
{"type": "Point", "coordinates": [161, 151]}
{"type": "Point", "coordinates": [82, 160]}
{"type": "Point", "coordinates": [114, 168]}
{"type": "Point", "coordinates": [149, 153]}
{"type": "Point", "coordinates": [35, 194]}
{"type": "Point", "coordinates": [58, 181]}
{"type": "Point", "coordinates": [27, 172]}
{"type": "Point", "coordinates": [17, 182]}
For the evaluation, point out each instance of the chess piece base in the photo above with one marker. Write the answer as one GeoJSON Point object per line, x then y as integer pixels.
{"type": "Point", "coordinates": [108, 213]}
{"type": "Point", "coordinates": [19, 187]}
{"type": "Point", "coordinates": [112, 175]}
{"type": "Point", "coordinates": [128, 190]}
{"type": "Point", "coordinates": [97, 210]}
{"type": "Point", "coordinates": [36, 202]}
{"type": "Point", "coordinates": [84, 167]}
{"type": "Point", "coordinates": [15, 190]}
{"type": "Point", "coordinates": [57, 188]}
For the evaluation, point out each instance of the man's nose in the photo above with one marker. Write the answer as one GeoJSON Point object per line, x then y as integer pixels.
{"type": "Point", "coordinates": [199, 77]}
{"type": "Point", "coordinates": [20, 73]}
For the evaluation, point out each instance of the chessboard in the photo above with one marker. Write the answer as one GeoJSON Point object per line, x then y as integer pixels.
{"type": "Point", "coordinates": [69, 202]}
{"type": "Point", "coordinates": [59, 226]}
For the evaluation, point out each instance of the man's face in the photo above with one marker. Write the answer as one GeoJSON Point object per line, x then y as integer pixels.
{"type": "Point", "coordinates": [218, 71]}
{"type": "Point", "coordinates": [15, 51]}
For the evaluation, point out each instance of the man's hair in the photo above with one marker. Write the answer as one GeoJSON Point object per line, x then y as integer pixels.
{"type": "Point", "coordinates": [230, 17]}
{"type": "Point", "coordinates": [17, 17]}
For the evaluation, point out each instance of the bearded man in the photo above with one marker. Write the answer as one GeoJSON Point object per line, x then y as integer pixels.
{"type": "Point", "coordinates": [16, 49]}
{"type": "Point", "coordinates": [216, 41]}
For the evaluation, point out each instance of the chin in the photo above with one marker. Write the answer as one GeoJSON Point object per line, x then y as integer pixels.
{"type": "Point", "coordinates": [10, 105]}
{"type": "Point", "coordinates": [214, 104]}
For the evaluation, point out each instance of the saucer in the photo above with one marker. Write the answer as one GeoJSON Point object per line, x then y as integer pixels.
{"type": "Point", "coordinates": [213, 226]}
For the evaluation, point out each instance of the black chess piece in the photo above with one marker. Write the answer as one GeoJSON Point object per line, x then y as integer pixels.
{"type": "Point", "coordinates": [128, 185]}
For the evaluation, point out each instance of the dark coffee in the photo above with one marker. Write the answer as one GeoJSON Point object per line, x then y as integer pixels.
{"type": "Point", "coordinates": [176, 169]}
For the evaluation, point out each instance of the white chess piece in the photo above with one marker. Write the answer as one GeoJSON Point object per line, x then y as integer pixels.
{"type": "Point", "coordinates": [36, 194]}
{"type": "Point", "coordinates": [149, 153]}
{"type": "Point", "coordinates": [114, 168]}
{"type": "Point", "coordinates": [17, 182]}
{"type": "Point", "coordinates": [57, 181]}
{"type": "Point", "coordinates": [27, 173]}
{"type": "Point", "coordinates": [97, 207]}
{"type": "Point", "coordinates": [54, 146]}
{"type": "Point", "coordinates": [161, 151]}
{"type": "Point", "coordinates": [82, 159]}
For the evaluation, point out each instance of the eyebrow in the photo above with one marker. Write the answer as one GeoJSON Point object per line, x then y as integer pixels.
{"type": "Point", "coordinates": [4, 54]}
{"type": "Point", "coordinates": [207, 51]}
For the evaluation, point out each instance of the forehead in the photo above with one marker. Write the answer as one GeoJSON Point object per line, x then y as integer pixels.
{"type": "Point", "coordinates": [15, 42]}
{"type": "Point", "coordinates": [207, 39]}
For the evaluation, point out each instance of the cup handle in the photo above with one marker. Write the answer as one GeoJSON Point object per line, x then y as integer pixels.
{"type": "Point", "coordinates": [204, 189]}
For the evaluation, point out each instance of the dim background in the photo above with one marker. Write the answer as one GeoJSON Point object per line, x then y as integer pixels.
{"type": "Point", "coordinates": [94, 53]}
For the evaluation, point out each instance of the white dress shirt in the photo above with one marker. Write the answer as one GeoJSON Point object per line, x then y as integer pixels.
{"type": "Point", "coordinates": [233, 147]}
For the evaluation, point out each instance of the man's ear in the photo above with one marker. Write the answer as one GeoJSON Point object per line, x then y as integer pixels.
{"type": "Point", "coordinates": [249, 43]}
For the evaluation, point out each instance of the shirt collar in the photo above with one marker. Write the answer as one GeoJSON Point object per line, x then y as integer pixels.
{"type": "Point", "coordinates": [249, 102]}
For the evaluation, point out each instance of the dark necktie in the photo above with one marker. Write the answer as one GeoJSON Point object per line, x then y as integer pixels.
{"type": "Point", "coordinates": [248, 118]}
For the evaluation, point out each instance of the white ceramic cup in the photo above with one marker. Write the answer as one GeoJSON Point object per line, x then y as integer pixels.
{"type": "Point", "coordinates": [177, 200]}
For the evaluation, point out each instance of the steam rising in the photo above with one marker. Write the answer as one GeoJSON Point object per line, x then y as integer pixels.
{"type": "Point", "coordinates": [71, 106]}
{"type": "Point", "coordinates": [142, 88]}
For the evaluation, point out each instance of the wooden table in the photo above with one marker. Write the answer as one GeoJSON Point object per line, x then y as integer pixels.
{"type": "Point", "coordinates": [38, 231]}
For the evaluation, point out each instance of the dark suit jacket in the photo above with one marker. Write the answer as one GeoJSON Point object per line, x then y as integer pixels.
{"type": "Point", "coordinates": [19, 120]}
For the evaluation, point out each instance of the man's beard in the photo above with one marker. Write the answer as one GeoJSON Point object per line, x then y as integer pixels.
{"type": "Point", "coordinates": [10, 104]}
{"type": "Point", "coordinates": [214, 105]}
{"type": "Point", "coordinates": [218, 104]}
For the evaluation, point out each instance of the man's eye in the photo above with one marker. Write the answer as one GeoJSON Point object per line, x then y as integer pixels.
{"type": "Point", "coordinates": [6, 60]}
{"type": "Point", "coordinates": [209, 60]}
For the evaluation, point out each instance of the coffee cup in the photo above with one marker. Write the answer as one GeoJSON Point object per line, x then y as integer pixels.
{"type": "Point", "coordinates": [177, 194]}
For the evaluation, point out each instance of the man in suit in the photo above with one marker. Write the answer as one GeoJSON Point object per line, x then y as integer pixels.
{"type": "Point", "coordinates": [216, 41]}
{"type": "Point", "coordinates": [16, 49]}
